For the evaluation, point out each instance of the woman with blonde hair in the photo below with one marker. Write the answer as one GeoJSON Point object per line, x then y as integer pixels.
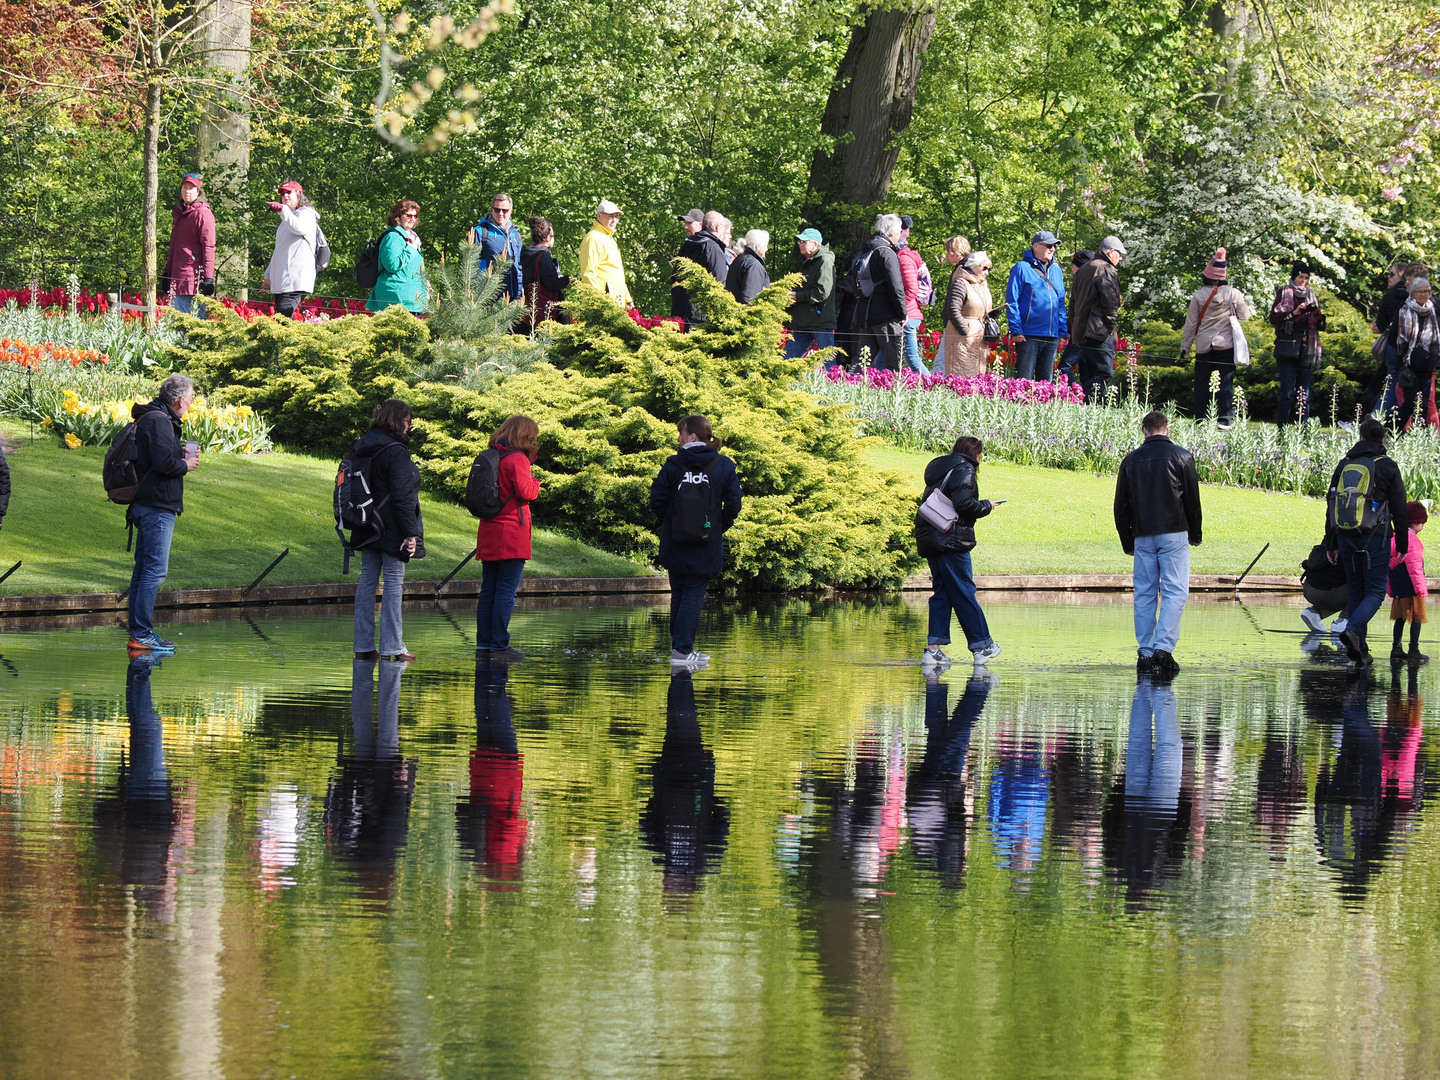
{"type": "Point", "coordinates": [967, 304]}
{"type": "Point", "coordinates": [502, 542]}
{"type": "Point", "coordinates": [956, 248]}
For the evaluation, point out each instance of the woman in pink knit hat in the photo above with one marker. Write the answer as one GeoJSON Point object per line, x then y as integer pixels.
{"type": "Point", "coordinates": [1207, 327]}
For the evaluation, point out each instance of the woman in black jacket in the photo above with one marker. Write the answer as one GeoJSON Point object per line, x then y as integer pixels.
{"type": "Point", "coordinates": [545, 285]}
{"type": "Point", "coordinates": [949, 555]}
{"type": "Point", "coordinates": [696, 496]}
{"type": "Point", "coordinates": [395, 481]}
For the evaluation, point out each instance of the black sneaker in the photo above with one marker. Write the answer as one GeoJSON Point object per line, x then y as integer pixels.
{"type": "Point", "coordinates": [509, 655]}
{"type": "Point", "coordinates": [1163, 664]}
{"type": "Point", "coordinates": [1144, 664]}
{"type": "Point", "coordinates": [1415, 656]}
{"type": "Point", "coordinates": [1353, 647]}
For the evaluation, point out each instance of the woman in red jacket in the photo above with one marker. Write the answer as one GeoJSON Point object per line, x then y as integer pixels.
{"type": "Point", "coordinates": [190, 267]}
{"type": "Point", "coordinates": [503, 542]}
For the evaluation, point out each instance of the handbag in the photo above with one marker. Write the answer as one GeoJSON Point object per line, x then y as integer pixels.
{"type": "Point", "coordinates": [1240, 343]}
{"type": "Point", "coordinates": [992, 330]}
{"type": "Point", "coordinates": [937, 509]}
{"type": "Point", "coordinates": [1287, 348]}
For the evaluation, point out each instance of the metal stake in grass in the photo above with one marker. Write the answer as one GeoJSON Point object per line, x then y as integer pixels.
{"type": "Point", "coordinates": [452, 573]}
{"type": "Point", "coordinates": [263, 573]}
{"type": "Point", "coordinates": [9, 572]}
{"type": "Point", "coordinates": [1249, 568]}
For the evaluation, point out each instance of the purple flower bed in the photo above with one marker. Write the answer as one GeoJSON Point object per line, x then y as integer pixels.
{"type": "Point", "coordinates": [991, 386]}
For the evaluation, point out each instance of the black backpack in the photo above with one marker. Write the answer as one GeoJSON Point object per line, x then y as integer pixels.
{"type": "Point", "coordinates": [858, 281]}
{"type": "Point", "coordinates": [367, 266]}
{"type": "Point", "coordinates": [482, 490]}
{"type": "Point", "coordinates": [694, 518]}
{"type": "Point", "coordinates": [356, 506]}
{"type": "Point", "coordinates": [121, 477]}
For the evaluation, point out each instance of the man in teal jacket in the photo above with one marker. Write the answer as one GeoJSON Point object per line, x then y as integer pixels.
{"type": "Point", "coordinates": [1035, 308]}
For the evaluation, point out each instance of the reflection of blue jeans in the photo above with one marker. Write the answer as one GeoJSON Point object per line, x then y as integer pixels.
{"type": "Point", "coordinates": [955, 591]}
{"type": "Point", "coordinates": [1153, 768]}
{"type": "Point", "coordinates": [1035, 358]}
{"type": "Point", "coordinates": [1162, 580]}
{"type": "Point", "coordinates": [1097, 367]}
{"type": "Point", "coordinates": [1294, 377]}
{"type": "Point", "coordinates": [687, 597]}
{"type": "Point", "coordinates": [801, 340]}
{"type": "Point", "coordinates": [1366, 560]}
{"type": "Point", "coordinates": [912, 347]}
{"type": "Point", "coordinates": [499, 583]}
{"type": "Point", "coordinates": [154, 529]}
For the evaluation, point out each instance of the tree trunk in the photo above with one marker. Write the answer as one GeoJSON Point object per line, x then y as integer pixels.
{"type": "Point", "coordinates": [152, 196]}
{"type": "Point", "coordinates": [1231, 22]}
{"type": "Point", "coordinates": [225, 142]}
{"type": "Point", "coordinates": [871, 102]}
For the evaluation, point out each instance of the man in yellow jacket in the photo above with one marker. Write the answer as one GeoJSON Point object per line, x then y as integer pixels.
{"type": "Point", "coordinates": [600, 265]}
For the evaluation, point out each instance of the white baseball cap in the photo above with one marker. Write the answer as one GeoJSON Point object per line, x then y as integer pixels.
{"type": "Point", "coordinates": [607, 207]}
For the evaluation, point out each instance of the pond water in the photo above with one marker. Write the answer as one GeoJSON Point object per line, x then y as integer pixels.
{"type": "Point", "coordinates": [258, 858]}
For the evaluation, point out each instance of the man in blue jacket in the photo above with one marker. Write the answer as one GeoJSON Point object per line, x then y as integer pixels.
{"type": "Point", "coordinates": [498, 238]}
{"type": "Point", "coordinates": [1035, 308]}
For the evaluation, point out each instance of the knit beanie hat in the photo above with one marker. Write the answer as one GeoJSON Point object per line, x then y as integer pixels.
{"type": "Point", "coordinates": [1218, 266]}
{"type": "Point", "coordinates": [1300, 266]}
{"type": "Point", "coordinates": [1418, 514]}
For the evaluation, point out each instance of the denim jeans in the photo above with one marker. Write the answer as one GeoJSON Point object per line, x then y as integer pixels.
{"type": "Point", "coordinates": [1294, 377]}
{"type": "Point", "coordinates": [372, 563]}
{"type": "Point", "coordinates": [1035, 358]}
{"type": "Point", "coordinates": [687, 596]}
{"type": "Point", "coordinates": [499, 582]}
{"type": "Point", "coordinates": [1069, 359]}
{"type": "Point", "coordinates": [801, 340]}
{"type": "Point", "coordinates": [1366, 560]}
{"type": "Point", "coordinates": [1223, 361]}
{"type": "Point", "coordinates": [1097, 367]}
{"type": "Point", "coordinates": [1162, 585]}
{"type": "Point", "coordinates": [912, 347]}
{"type": "Point", "coordinates": [955, 591]}
{"type": "Point", "coordinates": [154, 529]}
{"type": "Point", "coordinates": [186, 304]}
{"type": "Point", "coordinates": [147, 778]}
{"type": "Point", "coordinates": [1154, 755]}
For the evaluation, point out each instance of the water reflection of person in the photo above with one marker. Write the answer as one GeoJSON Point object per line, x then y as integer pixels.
{"type": "Point", "coordinates": [136, 825]}
{"type": "Point", "coordinates": [684, 822]}
{"type": "Point", "coordinates": [1279, 787]}
{"type": "Point", "coordinates": [490, 822]}
{"type": "Point", "coordinates": [1144, 831]}
{"type": "Point", "coordinates": [1018, 800]}
{"type": "Point", "coordinates": [939, 800]}
{"type": "Point", "coordinates": [367, 808]}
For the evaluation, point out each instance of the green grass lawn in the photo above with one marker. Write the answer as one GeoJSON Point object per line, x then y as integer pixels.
{"type": "Point", "coordinates": [240, 512]}
{"type": "Point", "coordinates": [1059, 521]}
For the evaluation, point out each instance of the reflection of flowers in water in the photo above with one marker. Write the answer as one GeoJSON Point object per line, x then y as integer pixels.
{"type": "Point", "coordinates": [279, 844]}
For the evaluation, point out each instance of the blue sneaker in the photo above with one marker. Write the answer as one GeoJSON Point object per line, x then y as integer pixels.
{"type": "Point", "coordinates": [151, 642]}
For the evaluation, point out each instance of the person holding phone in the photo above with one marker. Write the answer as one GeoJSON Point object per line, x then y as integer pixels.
{"type": "Point", "coordinates": [1298, 320]}
{"type": "Point", "coordinates": [955, 476]}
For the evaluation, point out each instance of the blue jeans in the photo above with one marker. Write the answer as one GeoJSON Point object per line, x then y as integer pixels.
{"type": "Point", "coordinates": [1097, 367]}
{"type": "Point", "coordinates": [1366, 560]}
{"type": "Point", "coordinates": [1068, 360]}
{"type": "Point", "coordinates": [154, 529]}
{"type": "Point", "coordinates": [374, 563]}
{"type": "Point", "coordinates": [955, 591]}
{"type": "Point", "coordinates": [499, 582]}
{"type": "Point", "coordinates": [912, 347]}
{"type": "Point", "coordinates": [1162, 577]}
{"type": "Point", "coordinates": [185, 304]}
{"type": "Point", "coordinates": [1294, 377]}
{"type": "Point", "coordinates": [801, 340]}
{"type": "Point", "coordinates": [687, 596]}
{"type": "Point", "coordinates": [1035, 358]}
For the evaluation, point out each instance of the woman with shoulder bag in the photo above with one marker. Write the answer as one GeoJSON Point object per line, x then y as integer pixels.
{"type": "Point", "coordinates": [952, 492]}
{"type": "Point", "coordinates": [1208, 328]}
{"type": "Point", "coordinates": [292, 270]}
{"type": "Point", "coordinates": [1298, 320]}
{"type": "Point", "coordinates": [502, 543]}
{"type": "Point", "coordinates": [1417, 345]}
{"type": "Point", "coordinates": [967, 307]}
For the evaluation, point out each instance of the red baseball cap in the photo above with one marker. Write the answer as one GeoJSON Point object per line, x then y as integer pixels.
{"type": "Point", "coordinates": [291, 185]}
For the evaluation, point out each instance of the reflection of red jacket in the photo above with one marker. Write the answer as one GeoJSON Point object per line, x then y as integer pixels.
{"type": "Point", "coordinates": [192, 247]}
{"type": "Point", "coordinates": [496, 782]}
{"type": "Point", "coordinates": [507, 534]}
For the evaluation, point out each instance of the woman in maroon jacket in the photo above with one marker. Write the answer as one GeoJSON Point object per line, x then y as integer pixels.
{"type": "Point", "coordinates": [503, 542]}
{"type": "Point", "coordinates": [190, 268]}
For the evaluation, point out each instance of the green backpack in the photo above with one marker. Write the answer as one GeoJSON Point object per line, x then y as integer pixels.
{"type": "Point", "coordinates": [1352, 510]}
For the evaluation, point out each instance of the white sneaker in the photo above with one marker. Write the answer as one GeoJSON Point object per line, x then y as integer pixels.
{"type": "Point", "coordinates": [934, 658]}
{"type": "Point", "coordinates": [1339, 625]}
{"type": "Point", "coordinates": [1311, 618]}
{"type": "Point", "coordinates": [690, 659]}
{"type": "Point", "coordinates": [984, 656]}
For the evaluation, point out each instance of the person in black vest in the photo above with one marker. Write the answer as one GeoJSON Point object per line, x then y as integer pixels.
{"type": "Point", "coordinates": [692, 485]}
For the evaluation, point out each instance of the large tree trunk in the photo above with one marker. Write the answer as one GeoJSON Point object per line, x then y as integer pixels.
{"type": "Point", "coordinates": [1232, 22]}
{"type": "Point", "coordinates": [870, 103]}
{"type": "Point", "coordinates": [152, 195]}
{"type": "Point", "coordinates": [225, 141]}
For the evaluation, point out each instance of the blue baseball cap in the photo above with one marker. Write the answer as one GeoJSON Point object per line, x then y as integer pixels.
{"type": "Point", "coordinates": [810, 234]}
{"type": "Point", "coordinates": [1045, 236]}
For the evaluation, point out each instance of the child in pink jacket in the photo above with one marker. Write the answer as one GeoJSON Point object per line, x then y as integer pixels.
{"type": "Point", "coordinates": [1407, 589]}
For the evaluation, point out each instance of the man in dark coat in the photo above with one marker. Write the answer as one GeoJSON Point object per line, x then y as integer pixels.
{"type": "Point", "coordinates": [1093, 315]}
{"type": "Point", "coordinates": [161, 464]}
{"type": "Point", "coordinates": [748, 275]}
{"type": "Point", "coordinates": [703, 247]}
{"type": "Point", "coordinates": [1157, 514]}
{"type": "Point", "coordinates": [882, 313]}
{"type": "Point", "coordinates": [812, 315]}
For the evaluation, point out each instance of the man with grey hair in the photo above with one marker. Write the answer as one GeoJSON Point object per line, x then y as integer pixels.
{"type": "Point", "coordinates": [161, 462]}
{"type": "Point", "coordinates": [706, 248]}
{"type": "Point", "coordinates": [748, 275]}
{"type": "Point", "coordinates": [880, 312]}
{"type": "Point", "coordinates": [1093, 317]}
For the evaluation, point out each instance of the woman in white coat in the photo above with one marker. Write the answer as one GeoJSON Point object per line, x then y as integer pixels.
{"type": "Point", "coordinates": [291, 273]}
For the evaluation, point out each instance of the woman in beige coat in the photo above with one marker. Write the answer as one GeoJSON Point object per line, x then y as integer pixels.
{"type": "Point", "coordinates": [967, 303]}
{"type": "Point", "coordinates": [1207, 327]}
{"type": "Point", "coordinates": [956, 248]}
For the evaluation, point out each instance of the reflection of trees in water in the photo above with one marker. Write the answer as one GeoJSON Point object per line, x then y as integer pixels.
{"type": "Point", "coordinates": [367, 806]}
{"type": "Point", "coordinates": [489, 822]}
{"type": "Point", "coordinates": [685, 823]}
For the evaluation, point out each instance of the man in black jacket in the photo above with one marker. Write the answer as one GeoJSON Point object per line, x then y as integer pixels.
{"type": "Point", "coordinates": [748, 277]}
{"type": "Point", "coordinates": [1365, 553]}
{"type": "Point", "coordinates": [1157, 514]}
{"type": "Point", "coordinates": [161, 463]}
{"type": "Point", "coordinates": [882, 313]}
{"type": "Point", "coordinates": [1094, 313]}
{"type": "Point", "coordinates": [705, 248]}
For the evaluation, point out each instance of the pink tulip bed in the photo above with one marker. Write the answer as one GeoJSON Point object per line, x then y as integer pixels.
{"type": "Point", "coordinates": [1025, 391]}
